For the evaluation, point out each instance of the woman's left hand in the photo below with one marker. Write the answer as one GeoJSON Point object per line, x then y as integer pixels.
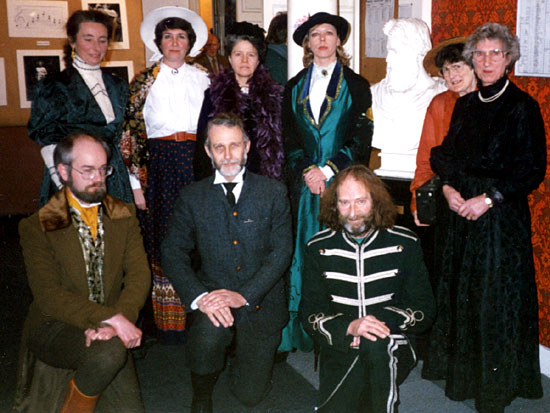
{"type": "Point", "coordinates": [315, 181]}
{"type": "Point", "coordinates": [473, 208]}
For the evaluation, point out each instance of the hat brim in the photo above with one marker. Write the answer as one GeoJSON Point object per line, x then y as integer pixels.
{"type": "Point", "coordinates": [147, 29]}
{"type": "Point", "coordinates": [341, 25]}
{"type": "Point", "coordinates": [429, 59]}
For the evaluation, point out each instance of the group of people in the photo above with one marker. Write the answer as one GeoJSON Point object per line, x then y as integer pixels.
{"type": "Point", "coordinates": [263, 228]}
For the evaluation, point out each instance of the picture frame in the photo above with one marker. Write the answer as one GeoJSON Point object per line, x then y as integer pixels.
{"type": "Point", "coordinates": [3, 90]}
{"type": "Point", "coordinates": [117, 9]}
{"type": "Point", "coordinates": [32, 66]}
{"type": "Point", "coordinates": [121, 68]}
{"type": "Point", "coordinates": [33, 18]}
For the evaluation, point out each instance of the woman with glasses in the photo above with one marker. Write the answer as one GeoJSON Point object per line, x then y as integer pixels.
{"type": "Point", "coordinates": [82, 98]}
{"type": "Point", "coordinates": [443, 60]}
{"type": "Point", "coordinates": [485, 340]}
{"type": "Point", "coordinates": [158, 141]}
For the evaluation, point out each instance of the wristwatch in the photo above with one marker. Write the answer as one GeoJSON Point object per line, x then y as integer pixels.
{"type": "Point", "coordinates": [488, 201]}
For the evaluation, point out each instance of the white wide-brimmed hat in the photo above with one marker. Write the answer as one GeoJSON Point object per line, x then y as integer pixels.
{"type": "Point", "coordinates": [147, 29]}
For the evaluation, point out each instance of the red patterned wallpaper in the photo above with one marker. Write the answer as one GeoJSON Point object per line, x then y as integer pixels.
{"type": "Point", "coordinates": [461, 17]}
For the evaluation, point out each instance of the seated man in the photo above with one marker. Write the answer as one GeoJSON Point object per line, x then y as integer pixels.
{"type": "Point", "coordinates": [240, 225]}
{"type": "Point", "coordinates": [89, 277]}
{"type": "Point", "coordinates": [365, 285]}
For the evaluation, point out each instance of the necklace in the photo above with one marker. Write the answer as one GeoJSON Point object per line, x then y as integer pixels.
{"type": "Point", "coordinates": [494, 97]}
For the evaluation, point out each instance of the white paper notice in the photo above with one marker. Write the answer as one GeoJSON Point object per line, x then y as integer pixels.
{"type": "Point", "coordinates": [533, 30]}
{"type": "Point", "coordinates": [377, 12]}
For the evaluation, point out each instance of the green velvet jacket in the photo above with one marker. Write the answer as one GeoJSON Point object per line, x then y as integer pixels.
{"type": "Point", "coordinates": [64, 105]}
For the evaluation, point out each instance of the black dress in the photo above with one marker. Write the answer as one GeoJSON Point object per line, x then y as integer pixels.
{"type": "Point", "coordinates": [485, 339]}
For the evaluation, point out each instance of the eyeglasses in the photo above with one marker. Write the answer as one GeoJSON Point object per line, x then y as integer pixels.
{"type": "Point", "coordinates": [453, 68]}
{"type": "Point", "coordinates": [91, 173]}
{"type": "Point", "coordinates": [495, 55]}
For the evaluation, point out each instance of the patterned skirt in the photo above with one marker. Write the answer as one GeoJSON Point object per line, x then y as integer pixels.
{"type": "Point", "coordinates": [170, 169]}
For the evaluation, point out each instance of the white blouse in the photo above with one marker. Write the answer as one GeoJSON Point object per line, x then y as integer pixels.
{"type": "Point", "coordinates": [174, 101]}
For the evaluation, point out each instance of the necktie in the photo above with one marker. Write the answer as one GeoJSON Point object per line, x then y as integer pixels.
{"type": "Point", "coordinates": [229, 195]}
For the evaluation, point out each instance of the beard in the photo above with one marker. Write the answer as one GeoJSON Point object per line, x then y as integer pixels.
{"type": "Point", "coordinates": [356, 229]}
{"type": "Point", "coordinates": [91, 194]}
{"type": "Point", "coordinates": [230, 171]}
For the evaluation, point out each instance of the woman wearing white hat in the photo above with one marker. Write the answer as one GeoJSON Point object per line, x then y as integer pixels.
{"type": "Point", "coordinates": [158, 140]}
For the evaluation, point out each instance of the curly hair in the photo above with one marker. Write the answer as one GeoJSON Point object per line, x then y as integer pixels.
{"type": "Point", "coordinates": [383, 212]}
{"type": "Point", "coordinates": [307, 60]}
{"type": "Point", "coordinates": [493, 31]}
{"type": "Point", "coordinates": [175, 23]}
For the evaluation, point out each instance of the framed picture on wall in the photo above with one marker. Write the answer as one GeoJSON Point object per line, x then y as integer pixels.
{"type": "Point", "coordinates": [116, 9]}
{"type": "Point", "coordinates": [121, 68]}
{"type": "Point", "coordinates": [33, 66]}
{"type": "Point", "coordinates": [33, 18]}
{"type": "Point", "coordinates": [3, 92]}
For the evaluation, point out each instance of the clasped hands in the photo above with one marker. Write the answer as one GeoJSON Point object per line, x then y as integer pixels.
{"type": "Point", "coordinates": [368, 327]}
{"type": "Point", "coordinates": [116, 326]}
{"type": "Point", "coordinates": [315, 180]}
{"type": "Point", "coordinates": [217, 306]}
{"type": "Point", "coordinates": [470, 209]}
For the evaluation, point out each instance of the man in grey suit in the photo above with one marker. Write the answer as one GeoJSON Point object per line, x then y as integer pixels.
{"type": "Point", "coordinates": [240, 225]}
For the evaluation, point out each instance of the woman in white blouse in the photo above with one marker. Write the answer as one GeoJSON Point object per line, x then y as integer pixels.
{"type": "Point", "coordinates": [81, 98]}
{"type": "Point", "coordinates": [158, 140]}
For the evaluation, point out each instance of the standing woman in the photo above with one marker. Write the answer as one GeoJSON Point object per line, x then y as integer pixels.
{"type": "Point", "coordinates": [248, 90]}
{"type": "Point", "coordinates": [82, 98]}
{"type": "Point", "coordinates": [446, 60]}
{"type": "Point", "coordinates": [158, 140]}
{"type": "Point", "coordinates": [327, 126]}
{"type": "Point", "coordinates": [485, 340]}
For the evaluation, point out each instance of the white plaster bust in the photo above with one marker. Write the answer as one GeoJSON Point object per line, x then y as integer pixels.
{"type": "Point", "coordinates": [401, 98]}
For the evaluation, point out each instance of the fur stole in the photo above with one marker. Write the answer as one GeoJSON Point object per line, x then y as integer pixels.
{"type": "Point", "coordinates": [263, 103]}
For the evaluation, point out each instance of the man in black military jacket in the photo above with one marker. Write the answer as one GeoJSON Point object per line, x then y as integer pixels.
{"type": "Point", "coordinates": [364, 287]}
{"type": "Point", "coordinates": [239, 223]}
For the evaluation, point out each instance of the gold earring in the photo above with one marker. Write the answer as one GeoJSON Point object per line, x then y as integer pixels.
{"type": "Point", "coordinates": [72, 54]}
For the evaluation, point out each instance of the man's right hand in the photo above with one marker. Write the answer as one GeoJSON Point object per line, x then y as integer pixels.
{"type": "Point", "coordinates": [368, 327]}
{"type": "Point", "coordinates": [218, 313]}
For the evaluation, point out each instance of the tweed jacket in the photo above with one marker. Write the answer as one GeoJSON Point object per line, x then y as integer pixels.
{"type": "Point", "coordinates": [246, 249]}
{"type": "Point", "coordinates": [384, 276]}
{"type": "Point", "coordinates": [56, 270]}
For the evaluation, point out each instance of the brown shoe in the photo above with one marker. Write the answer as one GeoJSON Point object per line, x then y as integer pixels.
{"type": "Point", "coordinates": [78, 402]}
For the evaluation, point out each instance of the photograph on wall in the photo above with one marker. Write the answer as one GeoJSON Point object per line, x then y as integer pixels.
{"type": "Point", "coordinates": [3, 91]}
{"type": "Point", "coordinates": [117, 10]}
{"type": "Point", "coordinates": [33, 18]}
{"type": "Point", "coordinates": [121, 68]}
{"type": "Point", "coordinates": [32, 67]}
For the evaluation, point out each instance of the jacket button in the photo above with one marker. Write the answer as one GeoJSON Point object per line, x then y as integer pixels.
{"type": "Point", "coordinates": [235, 242]}
{"type": "Point", "coordinates": [257, 307]}
{"type": "Point", "coordinates": [235, 213]}
{"type": "Point", "coordinates": [239, 268]}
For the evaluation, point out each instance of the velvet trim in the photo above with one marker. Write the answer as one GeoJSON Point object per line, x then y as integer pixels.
{"type": "Point", "coordinates": [264, 103]}
{"type": "Point", "coordinates": [55, 214]}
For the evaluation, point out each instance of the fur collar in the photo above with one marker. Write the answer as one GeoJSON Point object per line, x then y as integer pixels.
{"type": "Point", "coordinates": [55, 214]}
{"type": "Point", "coordinates": [263, 103]}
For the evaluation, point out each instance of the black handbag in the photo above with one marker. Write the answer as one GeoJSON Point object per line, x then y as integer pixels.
{"type": "Point", "coordinates": [426, 201]}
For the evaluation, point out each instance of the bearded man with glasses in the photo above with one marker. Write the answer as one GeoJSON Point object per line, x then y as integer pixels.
{"type": "Point", "coordinates": [89, 276]}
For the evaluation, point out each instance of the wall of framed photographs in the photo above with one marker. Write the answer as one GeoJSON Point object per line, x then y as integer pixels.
{"type": "Point", "coordinates": [32, 42]}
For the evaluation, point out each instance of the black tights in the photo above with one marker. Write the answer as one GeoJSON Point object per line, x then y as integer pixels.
{"type": "Point", "coordinates": [64, 346]}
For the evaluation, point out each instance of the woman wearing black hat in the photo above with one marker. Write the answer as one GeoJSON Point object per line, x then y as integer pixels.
{"type": "Point", "coordinates": [327, 126]}
{"type": "Point", "coordinates": [248, 90]}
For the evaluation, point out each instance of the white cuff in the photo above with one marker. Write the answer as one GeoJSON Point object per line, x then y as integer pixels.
{"type": "Point", "coordinates": [194, 304]}
{"type": "Point", "coordinates": [47, 156]}
{"type": "Point", "coordinates": [134, 181]}
{"type": "Point", "coordinates": [327, 171]}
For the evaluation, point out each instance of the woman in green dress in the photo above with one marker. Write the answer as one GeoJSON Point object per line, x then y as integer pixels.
{"type": "Point", "coordinates": [327, 126]}
{"type": "Point", "coordinates": [81, 98]}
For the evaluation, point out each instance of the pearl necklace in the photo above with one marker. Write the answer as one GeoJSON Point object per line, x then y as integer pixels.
{"type": "Point", "coordinates": [494, 97]}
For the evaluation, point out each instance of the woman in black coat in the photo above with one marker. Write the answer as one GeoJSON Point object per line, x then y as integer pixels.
{"type": "Point", "coordinates": [485, 340]}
